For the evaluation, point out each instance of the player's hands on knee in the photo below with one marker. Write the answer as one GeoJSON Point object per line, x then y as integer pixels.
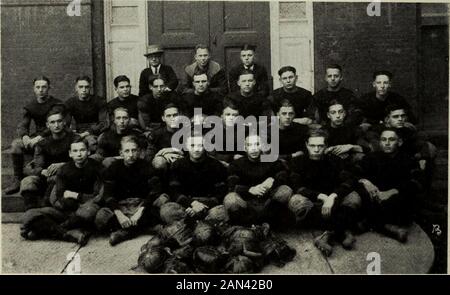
{"type": "Point", "coordinates": [124, 221]}
{"type": "Point", "coordinates": [370, 188]}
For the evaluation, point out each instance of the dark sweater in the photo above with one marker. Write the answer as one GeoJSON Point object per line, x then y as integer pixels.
{"type": "Point", "coordinates": [345, 134]}
{"type": "Point", "coordinates": [37, 112]}
{"type": "Point", "coordinates": [152, 108]}
{"type": "Point", "coordinates": [50, 151]}
{"type": "Point", "coordinates": [122, 182]}
{"type": "Point", "coordinates": [129, 103]}
{"type": "Point", "coordinates": [323, 97]}
{"type": "Point", "coordinates": [261, 77]}
{"type": "Point", "coordinates": [255, 105]}
{"type": "Point", "coordinates": [312, 177]}
{"type": "Point", "coordinates": [109, 141]}
{"type": "Point", "coordinates": [204, 179]}
{"type": "Point", "coordinates": [292, 139]}
{"type": "Point", "coordinates": [166, 71]}
{"type": "Point", "coordinates": [85, 181]}
{"type": "Point", "coordinates": [209, 102]}
{"type": "Point", "coordinates": [251, 173]}
{"type": "Point", "coordinates": [89, 115]}
{"type": "Point", "coordinates": [301, 99]}
{"type": "Point", "coordinates": [159, 139]}
{"type": "Point", "coordinates": [373, 109]}
{"type": "Point", "coordinates": [227, 154]}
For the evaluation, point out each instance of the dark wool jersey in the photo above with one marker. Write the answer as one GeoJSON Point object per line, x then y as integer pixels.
{"type": "Point", "coordinates": [89, 112]}
{"type": "Point", "coordinates": [227, 153]}
{"type": "Point", "coordinates": [122, 182]}
{"type": "Point", "coordinates": [300, 98]}
{"type": "Point", "coordinates": [255, 105]}
{"type": "Point", "coordinates": [153, 107]}
{"type": "Point", "coordinates": [129, 103]}
{"type": "Point", "coordinates": [373, 109]}
{"type": "Point", "coordinates": [159, 139]}
{"type": "Point", "coordinates": [164, 70]}
{"type": "Point", "coordinates": [292, 139]}
{"type": "Point", "coordinates": [253, 173]}
{"type": "Point", "coordinates": [209, 102]}
{"type": "Point", "coordinates": [51, 151]}
{"type": "Point", "coordinates": [345, 134]}
{"type": "Point", "coordinates": [37, 112]}
{"type": "Point", "coordinates": [109, 141]}
{"type": "Point", "coordinates": [85, 181]}
{"type": "Point", "coordinates": [323, 97]}
{"type": "Point", "coordinates": [328, 175]}
{"type": "Point", "coordinates": [217, 76]}
{"type": "Point", "coordinates": [261, 77]}
{"type": "Point", "coordinates": [204, 179]}
{"type": "Point", "coordinates": [387, 171]}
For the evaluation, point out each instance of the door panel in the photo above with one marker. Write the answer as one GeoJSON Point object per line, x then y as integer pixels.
{"type": "Point", "coordinates": [224, 26]}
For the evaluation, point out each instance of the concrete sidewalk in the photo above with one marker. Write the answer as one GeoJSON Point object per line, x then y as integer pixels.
{"type": "Point", "coordinates": [51, 257]}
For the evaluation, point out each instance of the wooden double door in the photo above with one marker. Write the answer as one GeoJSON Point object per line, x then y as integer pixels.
{"type": "Point", "coordinates": [223, 26]}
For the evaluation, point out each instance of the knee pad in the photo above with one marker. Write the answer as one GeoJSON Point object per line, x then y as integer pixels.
{"type": "Point", "coordinates": [234, 202]}
{"type": "Point", "coordinates": [282, 194]}
{"type": "Point", "coordinates": [102, 218]}
{"type": "Point", "coordinates": [87, 211]}
{"type": "Point", "coordinates": [352, 200]}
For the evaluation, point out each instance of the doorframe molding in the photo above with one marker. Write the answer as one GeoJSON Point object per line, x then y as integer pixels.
{"type": "Point", "coordinates": [107, 27]}
{"type": "Point", "coordinates": [275, 37]}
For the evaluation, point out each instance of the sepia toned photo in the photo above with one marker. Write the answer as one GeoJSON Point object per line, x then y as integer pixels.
{"type": "Point", "coordinates": [224, 137]}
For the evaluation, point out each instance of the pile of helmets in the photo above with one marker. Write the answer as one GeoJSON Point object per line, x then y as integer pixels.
{"type": "Point", "coordinates": [209, 244]}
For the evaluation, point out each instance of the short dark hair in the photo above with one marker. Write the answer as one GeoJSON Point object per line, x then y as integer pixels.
{"type": "Point", "coordinates": [382, 72]}
{"type": "Point", "coordinates": [120, 109]}
{"type": "Point", "coordinates": [201, 46]}
{"type": "Point", "coordinates": [199, 72]}
{"type": "Point", "coordinates": [394, 107]}
{"type": "Point", "coordinates": [285, 103]}
{"type": "Point", "coordinates": [129, 138]}
{"type": "Point", "coordinates": [121, 78]}
{"type": "Point", "coordinates": [317, 133]}
{"type": "Point", "coordinates": [335, 101]}
{"type": "Point", "coordinates": [286, 69]}
{"type": "Point", "coordinates": [83, 78]}
{"type": "Point", "coordinates": [248, 47]}
{"type": "Point", "coordinates": [334, 66]}
{"type": "Point", "coordinates": [229, 103]}
{"type": "Point", "coordinates": [152, 79]}
{"type": "Point", "coordinates": [168, 106]}
{"type": "Point", "coordinates": [57, 109]}
{"type": "Point", "coordinates": [79, 140]}
{"type": "Point", "coordinates": [246, 72]}
{"type": "Point", "coordinates": [42, 78]}
{"type": "Point", "coordinates": [390, 129]}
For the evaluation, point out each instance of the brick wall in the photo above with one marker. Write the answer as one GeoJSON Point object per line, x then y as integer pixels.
{"type": "Point", "coordinates": [39, 38]}
{"type": "Point", "coordinates": [345, 34]}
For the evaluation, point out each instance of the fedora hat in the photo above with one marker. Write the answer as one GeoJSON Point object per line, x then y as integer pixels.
{"type": "Point", "coordinates": [153, 49]}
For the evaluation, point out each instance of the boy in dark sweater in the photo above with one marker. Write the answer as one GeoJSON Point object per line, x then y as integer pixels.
{"type": "Point", "coordinates": [125, 100]}
{"type": "Point", "coordinates": [74, 200]}
{"type": "Point", "coordinates": [247, 56]}
{"type": "Point", "coordinates": [324, 193]}
{"type": "Point", "coordinates": [334, 90]}
{"type": "Point", "coordinates": [300, 98]}
{"type": "Point", "coordinates": [129, 191]}
{"type": "Point", "coordinates": [49, 155]}
{"type": "Point", "coordinates": [389, 185]}
{"type": "Point", "coordinates": [197, 181]}
{"type": "Point", "coordinates": [254, 185]}
{"type": "Point", "coordinates": [36, 111]}
{"type": "Point", "coordinates": [249, 101]}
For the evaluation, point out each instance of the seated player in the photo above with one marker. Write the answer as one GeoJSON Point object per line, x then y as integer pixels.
{"type": "Point", "coordinates": [125, 100]}
{"type": "Point", "coordinates": [130, 189]}
{"type": "Point", "coordinates": [161, 152]}
{"type": "Point", "coordinates": [248, 56]}
{"type": "Point", "coordinates": [202, 97]}
{"type": "Point", "coordinates": [254, 185]}
{"type": "Point", "coordinates": [249, 101]}
{"type": "Point", "coordinates": [300, 98]}
{"type": "Point", "coordinates": [197, 181]}
{"type": "Point", "coordinates": [292, 135]}
{"type": "Point", "coordinates": [34, 111]}
{"type": "Point", "coordinates": [389, 185]}
{"type": "Point", "coordinates": [334, 90]}
{"type": "Point", "coordinates": [151, 105]}
{"type": "Point", "coordinates": [374, 104]}
{"type": "Point", "coordinates": [344, 139]}
{"type": "Point", "coordinates": [154, 55]}
{"type": "Point", "coordinates": [324, 194]}
{"type": "Point", "coordinates": [49, 155]}
{"type": "Point", "coordinates": [108, 149]}
{"type": "Point", "coordinates": [74, 200]}
{"type": "Point", "coordinates": [216, 74]}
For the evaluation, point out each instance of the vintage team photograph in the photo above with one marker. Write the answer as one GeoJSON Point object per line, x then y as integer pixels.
{"type": "Point", "coordinates": [224, 137]}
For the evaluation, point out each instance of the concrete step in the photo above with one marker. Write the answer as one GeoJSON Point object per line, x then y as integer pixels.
{"type": "Point", "coordinates": [12, 217]}
{"type": "Point", "coordinates": [12, 203]}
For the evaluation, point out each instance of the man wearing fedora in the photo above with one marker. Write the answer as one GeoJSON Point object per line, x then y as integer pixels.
{"type": "Point", "coordinates": [154, 54]}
